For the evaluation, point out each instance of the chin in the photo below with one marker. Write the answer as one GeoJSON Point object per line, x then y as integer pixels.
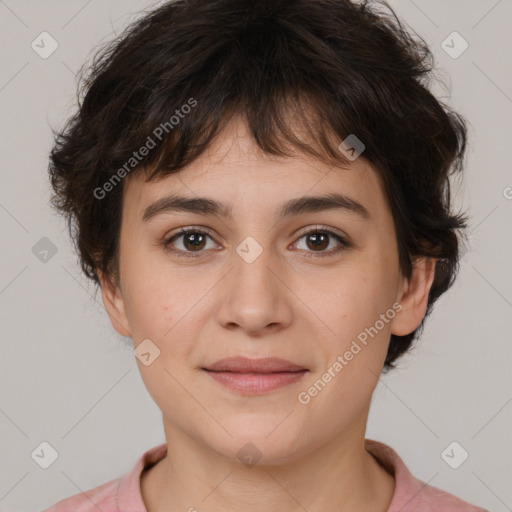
{"type": "Point", "coordinates": [256, 442]}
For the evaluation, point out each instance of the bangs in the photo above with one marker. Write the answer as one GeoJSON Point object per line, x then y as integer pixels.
{"type": "Point", "coordinates": [278, 129]}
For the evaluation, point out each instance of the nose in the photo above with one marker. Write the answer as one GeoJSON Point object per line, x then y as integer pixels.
{"type": "Point", "coordinates": [254, 296]}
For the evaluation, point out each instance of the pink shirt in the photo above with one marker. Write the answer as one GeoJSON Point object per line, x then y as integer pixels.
{"type": "Point", "coordinates": [123, 494]}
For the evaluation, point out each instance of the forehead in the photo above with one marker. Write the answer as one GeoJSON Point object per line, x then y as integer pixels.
{"type": "Point", "coordinates": [234, 170]}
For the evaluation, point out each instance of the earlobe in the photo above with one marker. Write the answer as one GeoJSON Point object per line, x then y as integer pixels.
{"type": "Point", "coordinates": [113, 301]}
{"type": "Point", "coordinates": [414, 297]}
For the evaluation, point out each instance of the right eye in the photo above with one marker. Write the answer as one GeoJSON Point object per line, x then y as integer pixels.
{"type": "Point", "coordinates": [192, 241]}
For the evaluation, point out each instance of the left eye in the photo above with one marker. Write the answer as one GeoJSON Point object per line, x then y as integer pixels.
{"type": "Point", "coordinates": [319, 240]}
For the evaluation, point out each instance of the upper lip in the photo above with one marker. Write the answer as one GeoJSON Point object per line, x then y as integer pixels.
{"type": "Point", "coordinates": [248, 365]}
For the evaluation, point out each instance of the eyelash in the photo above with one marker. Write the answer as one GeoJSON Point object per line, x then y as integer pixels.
{"type": "Point", "coordinates": [344, 244]}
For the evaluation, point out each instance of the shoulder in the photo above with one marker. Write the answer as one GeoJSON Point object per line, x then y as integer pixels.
{"type": "Point", "coordinates": [102, 497]}
{"type": "Point", "coordinates": [432, 498]}
{"type": "Point", "coordinates": [120, 495]}
{"type": "Point", "coordinates": [412, 494]}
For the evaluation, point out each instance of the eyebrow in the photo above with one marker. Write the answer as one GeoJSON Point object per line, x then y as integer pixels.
{"type": "Point", "coordinates": [207, 206]}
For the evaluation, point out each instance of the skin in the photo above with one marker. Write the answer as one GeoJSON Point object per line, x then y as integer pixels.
{"type": "Point", "coordinates": [283, 304]}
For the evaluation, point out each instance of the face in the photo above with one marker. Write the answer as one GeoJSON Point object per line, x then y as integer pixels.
{"type": "Point", "coordinates": [318, 286]}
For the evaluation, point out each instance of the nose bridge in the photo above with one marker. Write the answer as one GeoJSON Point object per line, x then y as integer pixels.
{"type": "Point", "coordinates": [253, 297]}
{"type": "Point", "coordinates": [253, 263]}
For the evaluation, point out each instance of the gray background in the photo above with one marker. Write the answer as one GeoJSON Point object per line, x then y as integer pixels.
{"type": "Point", "coordinates": [66, 376]}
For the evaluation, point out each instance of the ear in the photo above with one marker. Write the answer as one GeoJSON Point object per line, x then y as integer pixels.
{"type": "Point", "coordinates": [113, 301]}
{"type": "Point", "coordinates": [413, 297]}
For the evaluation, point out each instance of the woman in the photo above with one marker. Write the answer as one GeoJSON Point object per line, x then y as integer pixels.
{"type": "Point", "coordinates": [261, 191]}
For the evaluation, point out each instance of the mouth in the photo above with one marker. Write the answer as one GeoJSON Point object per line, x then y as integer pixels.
{"type": "Point", "coordinates": [255, 376]}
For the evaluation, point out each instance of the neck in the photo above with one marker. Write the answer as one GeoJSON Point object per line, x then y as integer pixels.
{"type": "Point", "coordinates": [339, 475]}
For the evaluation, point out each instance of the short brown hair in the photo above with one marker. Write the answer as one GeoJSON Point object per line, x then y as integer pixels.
{"type": "Point", "coordinates": [343, 67]}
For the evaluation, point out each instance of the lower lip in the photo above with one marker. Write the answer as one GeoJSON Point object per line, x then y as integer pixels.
{"type": "Point", "coordinates": [256, 383]}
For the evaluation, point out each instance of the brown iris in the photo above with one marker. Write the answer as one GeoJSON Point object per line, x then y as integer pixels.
{"type": "Point", "coordinates": [194, 241]}
{"type": "Point", "coordinates": [320, 240]}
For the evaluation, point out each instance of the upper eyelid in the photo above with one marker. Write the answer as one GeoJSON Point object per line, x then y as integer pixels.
{"type": "Point", "coordinates": [319, 227]}
{"type": "Point", "coordinates": [191, 229]}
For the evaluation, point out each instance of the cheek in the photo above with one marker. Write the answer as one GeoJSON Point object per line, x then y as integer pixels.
{"type": "Point", "coordinates": [152, 311]}
{"type": "Point", "coordinates": [164, 311]}
{"type": "Point", "coordinates": [355, 353]}
{"type": "Point", "coordinates": [355, 299]}
{"type": "Point", "coordinates": [152, 303]}
{"type": "Point", "coordinates": [352, 307]}
{"type": "Point", "coordinates": [149, 312]}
